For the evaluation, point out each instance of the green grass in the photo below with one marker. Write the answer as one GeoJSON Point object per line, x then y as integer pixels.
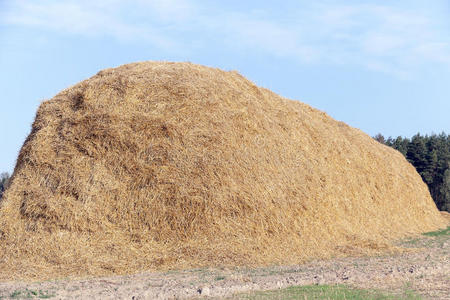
{"type": "Point", "coordinates": [219, 278]}
{"type": "Point", "coordinates": [432, 239]}
{"type": "Point", "coordinates": [324, 292]}
{"type": "Point", "coordinates": [442, 232]}
{"type": "Point", "coordinates": [30, 294]}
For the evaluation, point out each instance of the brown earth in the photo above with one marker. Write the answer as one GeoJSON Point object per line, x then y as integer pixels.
{"type": "Point", "coordinates": [425, 271]}
{"type": "Point", "coordinates": [156, 166]}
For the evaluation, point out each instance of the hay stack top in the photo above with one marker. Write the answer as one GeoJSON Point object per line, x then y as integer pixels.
{"type": "Point", "coordinates": [159, 165]}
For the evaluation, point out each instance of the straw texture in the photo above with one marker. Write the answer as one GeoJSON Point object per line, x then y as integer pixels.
{"type": "Point", "coordinates": [157, 165]}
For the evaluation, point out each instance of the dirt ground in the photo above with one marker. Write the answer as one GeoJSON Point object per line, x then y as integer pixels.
{"type": "Point", "coordinates": [425, 271]}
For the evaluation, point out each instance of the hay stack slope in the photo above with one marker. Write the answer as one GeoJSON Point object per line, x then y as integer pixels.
{"type": "Point", "coordinates": [174, 165]}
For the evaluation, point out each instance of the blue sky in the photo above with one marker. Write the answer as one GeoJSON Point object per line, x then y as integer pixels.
{"type": "Point", "coordinates": [381, 66]}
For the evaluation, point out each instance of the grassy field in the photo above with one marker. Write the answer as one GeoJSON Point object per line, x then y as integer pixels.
{"type": "Point", "coordinates": [324, 292]}
{"type": "Point", "coordinates": [442, 232]}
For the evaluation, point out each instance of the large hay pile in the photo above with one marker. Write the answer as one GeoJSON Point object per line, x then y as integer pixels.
{"type": "Point", "coordinates": [174, 165]}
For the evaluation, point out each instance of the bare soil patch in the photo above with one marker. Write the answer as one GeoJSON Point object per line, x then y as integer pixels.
{"type": "Point", "coordinates": [425, 269]}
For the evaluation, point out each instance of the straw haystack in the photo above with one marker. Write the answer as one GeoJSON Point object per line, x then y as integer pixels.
{"type": "Point", "coordinates": [154, 166]}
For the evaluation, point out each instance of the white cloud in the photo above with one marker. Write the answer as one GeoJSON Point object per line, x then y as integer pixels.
{"type": "Point", "coordinates": [436, 51]}
{"type": "Point", "coordinates": [92, 18]}
{"type": "Point", "coordinates": [378, 37]}
{"type": "Point", "coordinates": [382, 44]}
{"type": "Point", "coordinates": [261, 35]}
{"type": "Point", "coordinates": [388, 68]}
{"type": "Point", "coordinates": [170, 10]}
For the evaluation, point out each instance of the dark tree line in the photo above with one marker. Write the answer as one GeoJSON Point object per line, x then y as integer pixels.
{"type": "Point", "coordinates": [4, 179]}
{"type": "Point", "coordinates": [430, 155]}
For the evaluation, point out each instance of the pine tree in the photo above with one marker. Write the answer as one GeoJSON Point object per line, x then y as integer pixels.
{"type": "Point", "coordinates": [401, 144]}
{"type": "Point", "coordinates": [380, 138]}
{"type": "Point", "coordinates": [430, 155]}
{"type": "Point", "coordinates": [417, 153]}
{"type": "Point", "coordinates": [445, 191]}
{"type": "Point", "coordinates": [4, 179]}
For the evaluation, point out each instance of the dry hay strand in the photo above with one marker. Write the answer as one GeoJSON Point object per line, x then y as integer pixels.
{"type": "Point", "coordinates": [446, 216]}
{"type": "Point", "coordinates": [156, 166]}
